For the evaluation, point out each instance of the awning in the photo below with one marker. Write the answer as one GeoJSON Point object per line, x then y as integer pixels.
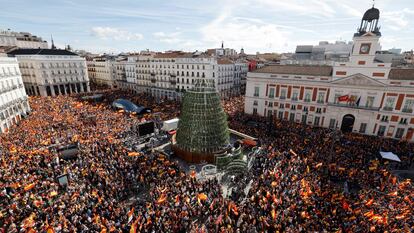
{"type": "Point", "coordinates": [390, 156]}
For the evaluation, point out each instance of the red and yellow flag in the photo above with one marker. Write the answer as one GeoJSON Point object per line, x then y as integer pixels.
{"type": "Point", "coordinates": [29, 186]}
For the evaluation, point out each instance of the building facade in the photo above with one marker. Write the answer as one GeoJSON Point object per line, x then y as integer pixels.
{"type": "Point", "coordinates": [51, 72]}
{"type": "Point", "coordinates": [13, 99]}
{"type": "Point", "coordinates": [168, 75]}
{"type": "Point", "coordinates": [21, 40]}
{"type": "Point", "coordinates": [362, 95]}
{"type": "Point", "coordinates": [101, 70]}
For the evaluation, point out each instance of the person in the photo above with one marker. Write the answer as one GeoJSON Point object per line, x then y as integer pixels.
{"type": "Point", "coordinates": [288, 191]}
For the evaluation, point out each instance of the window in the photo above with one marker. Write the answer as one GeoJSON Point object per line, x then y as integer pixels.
{"type": "Point", "coordinates": [332, 123]}
{"type": "Point", "coordinates": [318, 110]}
{"type": "Point", "coordinates": [256, 91]}
{"type": "Point", "coordinates": [254, 111]}
{"type": "Point", "coordinates": [399, 133]}
{"type": "Point", "coordinates": [363, 127]}
{"type": "Point", "coordinates": [281, 106]}
{"type": "Point", "coordinates": [305, 109]}
{"type": "Point", "coordinates": [255, 103]}
{"type": "Point", "coordinates": [271, 93]}
{"type": "Point", "coordinates": [280, 115]}
{"type": "Point", "coordinates": [408, 106]}
{"type": "Point", "coordinates": [384, 118]}
{"type": "Point", "coordinates": [321, 97]}
{"type": "Point", "coordinates": [283, 94]}
{"type": "Point", "coordinates": [307, 97]}
{"type": "Point", "coordinates": [370, 101]}
{"type": "Point", "coordinates": [304, 118]}
{"type": "Point", "coordinates": [403, 121]}
{"type": "Point", "coordinates": [293, 107]}
{"type": "Point", "coordinates": [270, 104]}
{"type": "Point", "coordinates": [292, 117]}
{"type": "Point", "coordinates": [381, 130]}
{"type": "Point", "coordinates": [295, 96]}
{"type": "Point", "coordinates": [269, 113]}
{"type": "Point", "coordinates": [336, 100]}
{"type": "Point", "coordinates": [389, 104]}
{"type": "Point", "coordinates": [316, 122]}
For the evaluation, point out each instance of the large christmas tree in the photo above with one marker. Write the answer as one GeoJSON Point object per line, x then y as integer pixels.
{"type": "Point", "coordinates": [203, 123]}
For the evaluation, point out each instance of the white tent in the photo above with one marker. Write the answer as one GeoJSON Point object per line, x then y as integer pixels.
{"type": "Point", "coordinates": [390, 156]}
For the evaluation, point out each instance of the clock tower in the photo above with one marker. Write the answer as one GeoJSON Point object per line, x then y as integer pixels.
{"type": "Point", "coordinates": [366, 40]}
{"type": "Point", "coordinates": [366, 44]}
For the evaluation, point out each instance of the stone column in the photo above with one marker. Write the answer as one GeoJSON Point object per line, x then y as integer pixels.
{"type": "Point", "coordinates": [52, 90]}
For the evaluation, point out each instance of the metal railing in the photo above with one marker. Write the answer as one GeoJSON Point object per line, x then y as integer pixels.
{"type": "Point", "coordinates": [354, 106]}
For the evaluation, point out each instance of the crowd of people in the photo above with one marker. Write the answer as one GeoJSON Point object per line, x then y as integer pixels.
{"type": "Point", "coordinates": [294, 186]}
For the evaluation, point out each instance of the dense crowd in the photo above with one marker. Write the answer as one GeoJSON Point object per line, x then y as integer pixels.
{"type": "Point", "coordinates": [294, 188]}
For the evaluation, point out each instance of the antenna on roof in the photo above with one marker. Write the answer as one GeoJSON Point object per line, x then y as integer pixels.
{"type": "Point", "coordinates": [53, 44]}
{"type": "Point", "coordinates": [373, 3]}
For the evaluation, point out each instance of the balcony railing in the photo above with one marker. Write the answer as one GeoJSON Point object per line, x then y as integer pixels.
{"type": "Point", "coordinates": [388, 108]}
{"type": "Point", "coordinates": [306, 100]}
{"type": "Point", "coordinates": [294, 99]}
{"type": "Point", "coordinates": [282, 97]}
{"type": "Point", "coordinates": [354, 106]}
{"type": "Point", "coordinates": [320, 101]}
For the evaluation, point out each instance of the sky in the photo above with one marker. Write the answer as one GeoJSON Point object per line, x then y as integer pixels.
{"type": "Point", "coordinates": [113, 26]}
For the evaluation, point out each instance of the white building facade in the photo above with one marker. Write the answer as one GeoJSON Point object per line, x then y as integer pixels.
{"type": "Point", "coordinates": [168, 75]}
{"type": "Point", "coordinates": [13, 99]}
{"type": "Point", "coordinates": [362, 95]}
{"type": "Point", "coordinates": [21, 40]}
{"type": "Point", "coordinates": [51, 72]}
{"type": "Point", "coordinates": [102, 71]}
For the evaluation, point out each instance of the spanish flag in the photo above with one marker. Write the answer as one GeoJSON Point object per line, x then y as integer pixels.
{"type": "Point", "coordinates": [132, 154]}
{"type": "Point", "coordinates": [202, 196]}
{"type": "Point", "coordinates": [130, 215]}
{"type": "Point", "coordinates": [162, 199]}
{"type": "Point", "coordinates": [50, 230]}
{"type": "Point", "coordinates": [273, 213]}
{"type": "Point", "coordinates": [53, 193]}
{"type": "Point", "coordinates": [29, 186]}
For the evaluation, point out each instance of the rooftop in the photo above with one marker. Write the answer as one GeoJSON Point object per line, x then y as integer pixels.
{"type": "Point", "coordinates": [169, 55]}
{"type": "Point", "coordinates": [401, 74]}
{"type": "Point", "coordinates": [224, 62]}
{"type": "Point", "coordinates": [57, 52]}
{"type": "Point", "coordinates": [296, 69]}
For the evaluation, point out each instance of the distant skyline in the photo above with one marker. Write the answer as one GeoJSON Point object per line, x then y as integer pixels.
{"type": "Point", "coordinates": [257, 26]}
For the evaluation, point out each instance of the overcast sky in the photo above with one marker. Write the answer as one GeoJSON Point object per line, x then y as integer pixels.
{"type": "Point", "coordinates": [255, 25]}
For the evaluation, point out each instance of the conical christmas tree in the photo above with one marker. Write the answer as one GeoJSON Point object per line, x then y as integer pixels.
{"type": "Point", "coordinates": [202, 128]}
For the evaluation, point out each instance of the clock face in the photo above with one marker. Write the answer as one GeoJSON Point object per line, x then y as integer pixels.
{"type": "Point", "coordinates": [364, 49]}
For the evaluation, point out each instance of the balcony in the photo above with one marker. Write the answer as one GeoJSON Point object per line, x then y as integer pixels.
{"type": "Point", "coordinates": [306, 100]}
{"type": "Point", "coordinates": [282, 97]}
{"type": "Point", "coordinates": [320, 101]}
{"type": "Point", "coordinates": [294, 99]}
{"type": "Point", "coordinates": [354, 106]}
{"type": "Point", "coordinates": [388, 108]}
{"type": "Point", "coordinates": [407, 110]}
